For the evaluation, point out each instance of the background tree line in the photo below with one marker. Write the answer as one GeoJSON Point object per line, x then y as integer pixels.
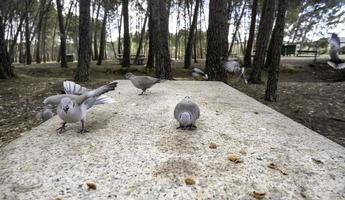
{"type": "Point", "coordinates": [48, 30]}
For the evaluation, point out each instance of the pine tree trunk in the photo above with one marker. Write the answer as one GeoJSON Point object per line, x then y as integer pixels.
{"type": "Point", "coordinates": [62, 35]}
{"type": "Point", "coordinates": [142, 34]}
{"type": "Point", "coordinates": [274, 51]}
{"type": "Point", "coordinates": [95, 46]}
{"type": "Point", "coordinates": [248, 55]}
{"type": "Point", "coordinates": [119, 45]}
{"type": "Point", "coordinates": [27, 35]}
{"type": "Point", "coordinates": [150, 56]}
{"type": "Point", "coordinates": [42, 10]}
{"type": "Point", "coordinates": [126, 61]}
{"type": "Point", "coordinates": [14, 42]}
{"type": "Point", "coordinates": [82, 72]}
{"type": "Point", "coordinates": [191, 37]}
{"type": "Point", "coordinates": [265, 28]}
{"type": "Point", "coordinates": [6, 71]}
{"type": "Point", "coordinates": [53, 41]}
{"type": "Point", "coordinates": [160, 29]}
{"type": "Point", "coordinates": [103, 34]}
{"type": "Point", "coordinates": [236, 28]}
{"type": "Point", "coordinates": [217, 40]}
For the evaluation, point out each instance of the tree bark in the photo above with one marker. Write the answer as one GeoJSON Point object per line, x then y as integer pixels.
{"type": "Point", "coordinates": [160, 27]}
{"type": "Point", "coordinates": [6, 71]}
{"type": "Point", "coordinates": [82, 72]}
{"type": "Point", "coordinates": [265, 28]}
{"type": "Point", "coordinates": [274, 51]}
{"type": "Point", "coordinates": [95, 46]}
{"type": "Point", "coordinates": [236, 28]}
{"type": "Point", "coordinates": [27, 34]}
{"type": "Point", "coordinates": [217, 40]}
{"type": "Point", "coordinates": [62, 35]}
{"type": "Point", "coordinates": [126, 61]}
{"type": "Point", "coordinates": [248, 54]}
{"type": "Point", "coordinates": [14, 42]}
{"type": "Point", "coordinates": [103, 34]}
{"type": "Point", "coordinates": [191, 37]}
{"type": "Point", "coordinates": [151, 57]}
{"type": "Point", "coordinates": [142, 34]}
{"type": "Point", "coordinates": [119, 45]}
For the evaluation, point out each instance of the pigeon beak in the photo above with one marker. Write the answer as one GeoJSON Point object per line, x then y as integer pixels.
{"type": "Point", "coordinates": [66, 109]}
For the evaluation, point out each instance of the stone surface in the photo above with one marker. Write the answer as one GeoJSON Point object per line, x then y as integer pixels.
{"type": "Point", "coordinates": [133, 151]}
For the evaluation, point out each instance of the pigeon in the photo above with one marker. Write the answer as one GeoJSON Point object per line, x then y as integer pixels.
{"type": "Point", "coordinates": [335, 61]}
{"type": "Point", "coordinates": [73, 106]}
{"type": "Point", "coordinates": [45, 114]}
{"type": "Point", "coordinates": [186, 113]}
{"type": "Point", "coordinates": [196, 72]}
{"type": "Point", "coordinates": [232, 66]}
{"type": "Point", "coordinates": [142, 82]}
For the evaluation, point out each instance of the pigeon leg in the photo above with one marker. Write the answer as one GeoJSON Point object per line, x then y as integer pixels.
{"type": "Point", "coordinates": [83, 129]}
{"type": "Point", "coordinates": [191, 127]}
{"type": "Point", "coordinates": [62, 128]}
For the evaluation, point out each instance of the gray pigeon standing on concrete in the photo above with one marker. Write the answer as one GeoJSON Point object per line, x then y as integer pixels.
{"type": "Point", "coordinates": [142, 82]}
{"type": "Point", "coordinates": [73, 106]}
{"type": "Point", "coordinates": [186, 113]}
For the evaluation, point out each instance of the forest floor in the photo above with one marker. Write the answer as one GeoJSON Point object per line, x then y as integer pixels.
{"type": "Point", "coordinates": [308, 93]}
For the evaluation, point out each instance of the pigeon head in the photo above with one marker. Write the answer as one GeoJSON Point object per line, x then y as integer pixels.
{"type": "Point", "coordinates": [129, 75]}
{"type": "Point", "coordinates": [66, 104]}
{"type": "Point", "coordinates": [185, 118]}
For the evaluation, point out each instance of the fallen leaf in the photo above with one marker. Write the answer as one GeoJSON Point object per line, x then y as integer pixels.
{"type": "Point", "coordinates": [91, 185]}
{"type": "Point", "coordinates": [212, 145]}
{"type": "Point", "coordinates": [189, 181]}
{"type": "Point", "coordinates": [274, 166]}
{"type": "Point", "coordinates": [234, 158]}
{"type": "Point", "coordinates": [258, 195]}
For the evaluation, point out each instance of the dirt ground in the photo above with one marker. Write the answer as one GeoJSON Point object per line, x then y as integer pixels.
{"type": "Point", "coordinates": [309, 94]}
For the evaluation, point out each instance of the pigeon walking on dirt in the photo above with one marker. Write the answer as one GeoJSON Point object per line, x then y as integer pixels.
{"type": "Point", "coordinates": [73, 106]}
{"type": "Point", "coordinates": [196, 72]}
{"type": "Point", "coordinates": [186, 113]}
{"type": "Point", "coordinates": [142, 82]}
{"type": "Point", "coordinates": [231, 66]}
{"type": "Point", "coordinates": [335, 61]}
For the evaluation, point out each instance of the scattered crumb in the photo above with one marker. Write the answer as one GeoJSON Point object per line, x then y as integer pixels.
{"type": "Point", "coordinates": [189, 181]}
{"type": "Point", "coordinates": [258, 195]}
{"type": "Point", "coordinates": [274, 166]}
{"type": "Point", "coordinates": [57, 198]}
{"type": "Point", "coordinates": [91, 185]}
{"type": "Point", "coordinates": [243, 152]}
{"type": "Point", "coordinates": [234, 158]}
{"type": "Point", "coordinates": [212, 145]}
{"type": "Point", "coordinates": [256, 113]}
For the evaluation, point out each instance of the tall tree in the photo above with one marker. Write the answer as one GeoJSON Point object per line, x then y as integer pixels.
{"type": "Point", "coordinates": [126, 61]}
{"type": "Point", "coordinates": [6, 71]}
{"type": "Point", "coordinates": [82, 72]}
{"type": "Point", "coordinates": [141, 39]}
{"type": "Point", "coordinates": [95, 46]}
{"type": "Point", "coordinates": [103, 34]}
{"type": "Point", "coordinates": [160, 29]}
{"type": "Point", "coordinates": [217, 40]}
{"type": "Point", "coordinates": [151, 55]}
{"type": "Point", "coordinates": [191, 37]}
{"type": "Point", "coordinates": [274, 51]}
{"type": "Point", "coordinates": [248, 54]}
{"type": "Point", "coordinates": [28, 4]}
{"type": "Point", "coordinates": [262, 39]}
{"type": "Point", "coordinates": [237, 25]}
{"type": "Point", "coordinates": [62, 35]}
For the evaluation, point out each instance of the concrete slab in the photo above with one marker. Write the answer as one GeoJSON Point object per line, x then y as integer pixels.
{"type": "Point", "coordinates": [133, 151]}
